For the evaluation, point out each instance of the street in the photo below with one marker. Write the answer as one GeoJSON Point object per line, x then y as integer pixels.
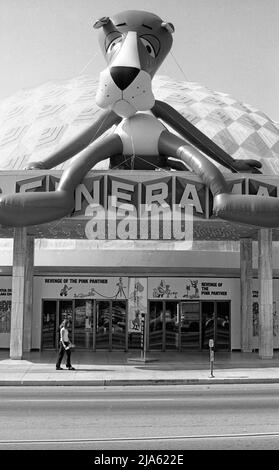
{"type": "Point", "coordinates": [154, 417]}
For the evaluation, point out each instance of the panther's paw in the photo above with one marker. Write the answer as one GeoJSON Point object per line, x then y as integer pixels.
{"type": "Point", "coordinates": [35, 166]}
{"type": "Point", "coordinates": [251, 166]}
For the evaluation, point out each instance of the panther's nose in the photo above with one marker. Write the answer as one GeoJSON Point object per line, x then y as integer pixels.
{"type": "Point", "coordinates": [123, 76]}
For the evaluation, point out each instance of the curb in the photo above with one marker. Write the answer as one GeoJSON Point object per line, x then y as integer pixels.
{"type": "Point", "coordinates": [106, 383]}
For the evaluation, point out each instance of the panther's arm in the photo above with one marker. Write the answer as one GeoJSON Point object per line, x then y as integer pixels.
{"type": "Point", "coordinates": [193, 135]}
{"type": "Point", "coordinates": [104, 122]}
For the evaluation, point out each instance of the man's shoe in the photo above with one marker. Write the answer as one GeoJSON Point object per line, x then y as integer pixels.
{"type": "Point", "coordinates": [59, 368]}
{"type": "Point", "coordinates": [71, 368]}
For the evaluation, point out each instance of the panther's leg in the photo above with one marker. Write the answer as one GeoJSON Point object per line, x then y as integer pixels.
{"type": "Point", "coordinates": [23, 209]}
{"type": "Point", "coordinates": [252, 210]}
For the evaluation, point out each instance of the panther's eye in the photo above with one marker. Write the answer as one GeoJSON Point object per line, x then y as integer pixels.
{"type": "Point", "coordinates": [148, 46]}
{"type": "Point", "coordinates": [114, 45]}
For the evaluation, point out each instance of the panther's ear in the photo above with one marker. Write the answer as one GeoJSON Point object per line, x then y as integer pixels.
{"type": "Point", "coordinates": [168, 26]}
{"type": "Point", "coordinates": [101, 22]}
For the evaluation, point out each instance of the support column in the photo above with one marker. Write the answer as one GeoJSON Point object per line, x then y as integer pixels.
{"type": "Point", "coordinates": [29, 264]}
{"type": "Point", "coordinates": [246, 286]}
{"type": "Point", "coordinates": [265, 294]}
{"type": "Point", "coordinates": [23, 256]}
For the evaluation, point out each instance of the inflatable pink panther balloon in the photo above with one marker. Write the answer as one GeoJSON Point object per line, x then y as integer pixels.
{"type": "Point", "coordinates": [135, 43]}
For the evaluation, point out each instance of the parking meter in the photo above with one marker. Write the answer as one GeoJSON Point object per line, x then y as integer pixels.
{"type": "Point", "coordinates": [211, 356]}
{"type": "Point", "coordinates": [143, 336]}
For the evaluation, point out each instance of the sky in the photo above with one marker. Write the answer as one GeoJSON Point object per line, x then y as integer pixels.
{"type": "Point", "coordinates": [231, 46]}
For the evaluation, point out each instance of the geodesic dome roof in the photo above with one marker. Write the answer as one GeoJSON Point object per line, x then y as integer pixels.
{"type": "Point", "coordinates": [37, 121]}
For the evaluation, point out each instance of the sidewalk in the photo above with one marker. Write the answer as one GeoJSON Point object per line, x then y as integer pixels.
{"type": "Point", "coordinates": [119, 368]}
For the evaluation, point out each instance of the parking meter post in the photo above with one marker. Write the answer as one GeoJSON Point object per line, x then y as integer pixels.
{"type": "Point", "coordinates": [211, 362]}
{"type": "Point", "coordinates": [211, 356]}
{"type": "Point", "coordinates": [143, 339]}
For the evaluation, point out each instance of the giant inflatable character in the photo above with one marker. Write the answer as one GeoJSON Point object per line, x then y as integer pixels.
{"type": "Point", "coordinates": [135, 43]}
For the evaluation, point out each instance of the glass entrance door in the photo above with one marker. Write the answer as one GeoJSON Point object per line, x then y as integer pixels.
{"type": "Point", "coordinates": [102, 324]}
{"type": "Point", "coordinates": [53, 313]}
{"type": "Point", "coordinates": [216, 324]}
{"type": "Point", "coordinates": [190, 325]}
{"type": "Point", "coordinates": [223, 325]}
{"type": "Point", "coordinates": [110, 325]}
{"type": "Point", "coordinates": [83, 331]}
{"type": "Point", "coordinates": [163, 325]}
{"type": "Point", "coordinates": [171, 325]}
{"type": "Point", "coordinates": [156, 325]}
{"type": "Point", "coordinates": [208, 323]}
{"type": "Point", "coordinates": [118, 324]}
{"type": "Point", "coordinates": [49, 325]}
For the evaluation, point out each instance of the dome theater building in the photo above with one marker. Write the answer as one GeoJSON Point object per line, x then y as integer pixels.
{"type": "Point", "coordinates": [220, 281]}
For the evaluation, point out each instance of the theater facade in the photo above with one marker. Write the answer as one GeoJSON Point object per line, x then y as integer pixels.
{"type": "Point", "coordinates": [111, 267]}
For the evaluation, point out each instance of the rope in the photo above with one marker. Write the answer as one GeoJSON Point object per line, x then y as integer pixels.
{"type": "Point", "coordinates": [179, 66]}
{"type": "Point", "coordinates": [98, 128]}
{"type": "Point", "coordinates": [133, 147]}
{"type": "Point", "coordinates": [121, 163]}
{"type": "Point", "coordinates": [88, 63]}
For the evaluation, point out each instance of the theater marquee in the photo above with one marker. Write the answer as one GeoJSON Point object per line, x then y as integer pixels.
{"type": "Point", "coordinates": [115, 204]}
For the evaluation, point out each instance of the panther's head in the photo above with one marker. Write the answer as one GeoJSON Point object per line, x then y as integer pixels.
{"type": "Point", "coordinates": [134, 43]}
